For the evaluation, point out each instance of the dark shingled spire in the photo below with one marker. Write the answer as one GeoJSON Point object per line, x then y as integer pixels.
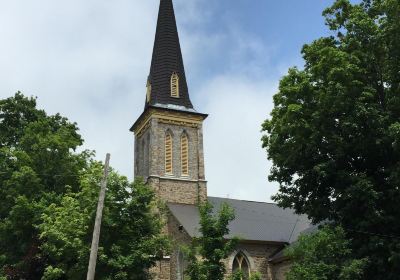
{"type": "Point", "coordinates": [167, 59]}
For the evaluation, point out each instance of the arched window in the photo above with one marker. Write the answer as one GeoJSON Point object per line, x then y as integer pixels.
{"type": "Point", "coordinates": [175, 85]}
{"type": "Point", "coordinates": [184, 155]}
{"type": "Point", "coordinates": [168, 153]}
{"type": "Point", "coordinates": [240, 263]}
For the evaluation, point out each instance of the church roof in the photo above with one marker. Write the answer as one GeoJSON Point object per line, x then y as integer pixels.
{"type": "Point", "coordinates": [166, 60]}
{"type": "Point", "coordinates": [280, 255]}
{"type": "Point", "coordinates": [254, 221]}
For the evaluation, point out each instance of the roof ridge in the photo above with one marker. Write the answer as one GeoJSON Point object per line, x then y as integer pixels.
{"type": "Point", "coordinates": [244, 200]}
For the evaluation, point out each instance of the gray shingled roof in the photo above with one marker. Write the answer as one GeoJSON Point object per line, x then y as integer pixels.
{"type": "Point", "coordinates": [255, 221]}
{"type": "Point", "coordinates": [279, 256]}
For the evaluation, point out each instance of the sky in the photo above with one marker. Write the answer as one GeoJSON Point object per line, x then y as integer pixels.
{"type": "Point", "coordinates": [89, 61]}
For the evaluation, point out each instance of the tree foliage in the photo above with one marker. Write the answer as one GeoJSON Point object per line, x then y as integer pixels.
{"type": "Point", "coordinates": [49, 194]}
{"type": "Point", "coordinates": [334, 134]}
{"type": "Point", "coordinates": [36, 163]}
{"type": "Point", "coordinates": [207, 252]}
{"type": "Point", "coordinates": [324, 255]}
{"type": "Point", "coordinates": [130, 242]}
{"type": "Point", "coordinates": [239, 276]}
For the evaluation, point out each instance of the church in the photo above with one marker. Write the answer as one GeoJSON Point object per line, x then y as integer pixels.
{"type": "Point", "coordinates": [169, 156]}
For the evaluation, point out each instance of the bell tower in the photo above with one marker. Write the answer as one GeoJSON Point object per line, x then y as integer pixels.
{"type": "Point", "coordinates": [169, 134]}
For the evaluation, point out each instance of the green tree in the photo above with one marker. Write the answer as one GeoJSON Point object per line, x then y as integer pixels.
{"type": "Point", "coordinates": [239, 276]}
{"type": "Point", "coordinates": [324, 255]}
{"type": "Point", "coordinates": [206, 253]}
{"type": "Point", "coordinates": [49, 194]}
{"type": "Point", "coordinates": [334, 135]}
{"type": "Point", "coordinates": [130, 242]}
{"type": "Point", "coordinates": [37, 161]}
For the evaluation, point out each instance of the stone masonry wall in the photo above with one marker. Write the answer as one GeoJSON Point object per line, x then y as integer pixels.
{"type": "Point", "coordinates": [161, 271]}
{"type": "Point", "coordinates": [257, 255]}
{"type": "Point", "coordinates": [179, 191]}
{"type": "Point", "coordinates": [150, 161]}
{"type": "Point", "coordinates": [280, 269]}
{"type": "Point", "coordinates": [179, 238]}
{"type": "Point", "coordinates": [195, 150]}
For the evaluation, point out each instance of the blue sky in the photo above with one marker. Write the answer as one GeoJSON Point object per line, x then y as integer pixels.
{"type": "Point", "coordinates": [279, 27]}
{"type": "Point", "coordinates": [89, 60]}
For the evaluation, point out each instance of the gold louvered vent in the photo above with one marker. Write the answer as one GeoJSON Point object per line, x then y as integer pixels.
{"type": "Point", "coordinates": [175, 85]}
{"type": "Point", "coordinates": [168, 153]}
{"type": "Point", "coordinates": [185, 155]}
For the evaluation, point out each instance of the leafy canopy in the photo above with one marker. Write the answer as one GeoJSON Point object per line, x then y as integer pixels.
{"type": "Point", "coordinates": [239, 276]}
{"type": "Point", "coordinates": [324, 255]}
{"type": "Point", "coordinates": [49, 194]}
{"type": "Point", "coordinates": [130, 240]}
{"type": "Point", "coordinates": [207, 252]}
{"type": "Point", "coordinates": [37, 162]}
{"type": "Point", "coordinates": [334, 133]}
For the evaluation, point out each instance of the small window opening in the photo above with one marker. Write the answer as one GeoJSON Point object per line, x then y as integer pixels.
{"type": "Point", "coordinates": [175, 85]}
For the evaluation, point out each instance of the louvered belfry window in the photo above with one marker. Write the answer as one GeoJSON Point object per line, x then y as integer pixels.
{"type": "Point", "coordinates": [175, 85]}
{"type": "Point", "coordinates": [168, 153]}
{"type": "Point", "coordinates": [184, 155]}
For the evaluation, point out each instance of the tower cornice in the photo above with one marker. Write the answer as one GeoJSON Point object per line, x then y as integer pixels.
{"type": "Point", "coordinates": [169, 116]}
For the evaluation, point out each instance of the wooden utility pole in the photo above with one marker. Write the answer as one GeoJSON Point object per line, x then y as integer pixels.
{"type": "Point", "coordinates": [97, 225]}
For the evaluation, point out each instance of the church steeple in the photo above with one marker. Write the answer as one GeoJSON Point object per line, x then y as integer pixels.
{"type": "Point", "coordinates": [167, 84]}
{"type": "Point", "coordinates": [169, 133]}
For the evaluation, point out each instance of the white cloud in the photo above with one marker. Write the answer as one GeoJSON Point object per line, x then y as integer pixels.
{"type": "Point", "coordinates": [236, 165]}
{"type": "Point", "coordinates": [238, 100]}
{"type": "Point", "coordinates": [89, 61]}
